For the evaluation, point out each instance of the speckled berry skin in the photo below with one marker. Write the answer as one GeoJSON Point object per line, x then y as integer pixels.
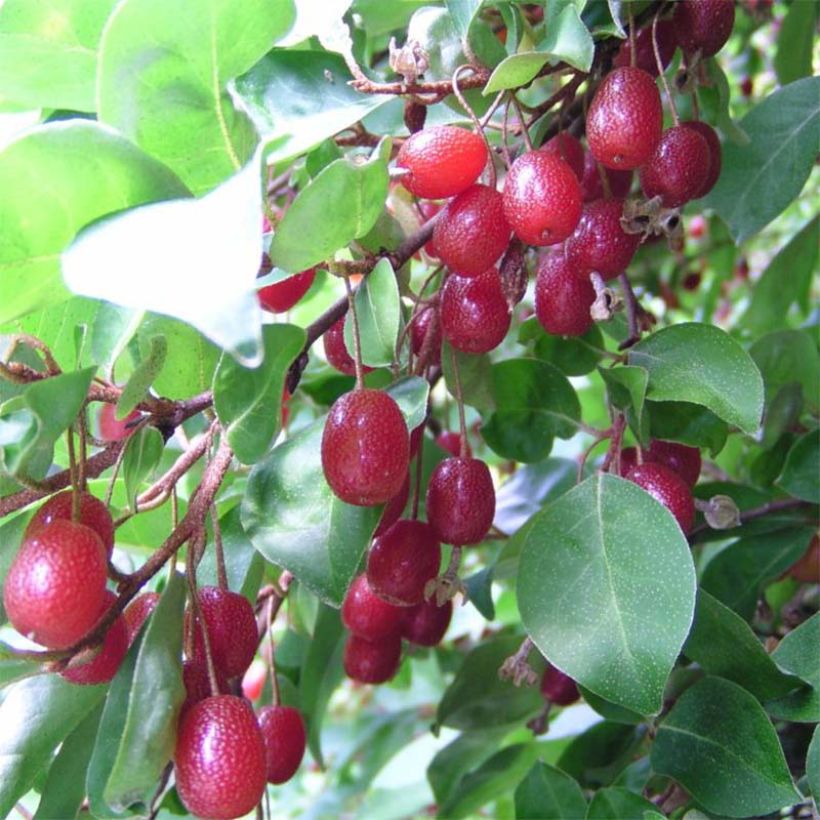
{"type": "Point", "coordinates": [220, 758]}
{"type": "Point", "coordinates": [460, 501]}
{"type": "Point", "coordinates": [668, 488]}
{"type": "Point", "coordinates": [562, 298]}
{"type": "Point", "coordinates": [197, 685]}
{"type": "Point", "coordinates": [679, 167]}
{"type": "Point", "coordinates": [569, 149]}
{"type": "Point", "coordinates": [427, 321]}
{"type": "Point", "coordinates": [395, 506]}
{"type": "Point", "coordinates": [703, 25]}
{"type": "Point", "coordinates": [644, 53]}
{"type": "Point", "coordinates": [475, 316]}
{"type": "Point", "coordinates": [402, 561]}
{"type": "Point", "coordinates": [55, 587]}
{"type": "Point", "coordinates": [715, 154]}
{"type": "Point", "coordinates": [620, 182]}
{"type": "Point", "coordinates": [683, 460]}
{"type": "Point", "coordinates": [367, 615]}
{"type": "Point", "coordinates": [93, 513]}
{"type": "Point", "coordinates": [426, 623]}
{"type": "Point", "coordinates": [473, 232]}
{"type": "Point", "coordinates": [282, 296]}
{"type": "Point", "coordinates": [372, 661]}
{"type": "Point", "coordinates": [625, 119]}
{"type": "Point", "coordinates": [336, 350]}
{"type": "Point", "coordinates": [365, 448]}
{"type": "Point", "coordinates": [231, 630]}
{"type": "Point", "coordinates": [542, 198]}
{"type": "Point", "coordinates": [599, 243]}
{"type": "Point", "coordinates": [443, 161]}
{"type": "Point", "coordinates": [283, 731]}
{"type": "Point", "coordinates": [558, 688]}
{"type": "Point", "coordinates": [137, 612]}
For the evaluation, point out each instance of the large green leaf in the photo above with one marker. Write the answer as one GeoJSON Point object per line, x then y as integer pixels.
{"type": "Point", "coordinates": [719, 745]}
{"type": "Point", "coordinates": [797, 653]}
{"type": "Point", "coordinates": [687, 423]}
{"type": "Point", "coordinates": [786, 358]}
{"type": "Point", "coordinates": [702, 364]}
{"type": "Point", "coordinates": [800, 474]}
{"type": "Point", "coordinates": [606, 589]}
{"type": "Point", "coordinates": [795, 40]}
{"type": "Point", "coordinates": [473, 375]}
{"type": "Point", "coordinates": [548, 792]}
{"type": "Point", "coordinates": [616, 803]}
{"type": "Point", "coordinates": [572, 355]}
{"type": "Point", "coordinates": [813, 763]}
{"type": "Point", "coordinates": [598, 755]}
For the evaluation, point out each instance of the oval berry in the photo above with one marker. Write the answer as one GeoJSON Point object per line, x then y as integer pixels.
{"type": "Point", "coordinates": [558, 688]}
{"type": "Point", "coordinates": [372, 661]}
{"type": "Point", "coordinates": [569, 149]}
{"type": "Point", "coordinates": [679, 167]}
{"type": "Point", "coordinates": [367, 615]}
{"type": "Point", "coordinates": [460, 501]}
{"type": "Point", "coordinates": [668, 488]}
{"type": "Point", "coordinates": [683, 460]}
{"type": "Point", "coordinates": [703, 25]}
{"type": "Point", "coordinates": [562, 298]}
{"type": "Point", "coordinates": [283, 731]}
{"type": "Point", "coordinates": [282, 296]}
{"type": "Point", "coordinates": [395, 506]}
{"type": "Point", "coordinates": [715, 154]}
{"type": "Point", "coordinates": [426, 623]}
{"type": "Point", "coordinates": [475, 316]}
{"type": "Point", "coordinates": [592, 187]}
{"type": "Point", "coordinates": [336, 350]}
{"type": "Point", "coordinates": [425, 323]}
{"type": "Point", "coordinates": [645, 53]}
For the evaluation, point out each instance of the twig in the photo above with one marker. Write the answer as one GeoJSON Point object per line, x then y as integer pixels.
{"type": "Point", "coordinates": [632, 310]}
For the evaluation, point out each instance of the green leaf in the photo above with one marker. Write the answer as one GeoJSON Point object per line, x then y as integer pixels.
{"type": "Point", "coordinates": [797, 653]}
{"type": "Point", "coordinates": [163, 79]}
{"type": "Point", "coordinates": [716, 99]}
{"type": "Point", "coordinates": [247, 400]}
{"type": "Point", "coordinates": [626, 388]}
{"type": "Point", "coordinates": [548, 792]}
{"type": "Point", "coordinates": [813, 763]}
{"type": "Point", "coordinates": [800, 474]}
{"type": "Point", "coordinates": [702, 364]}
{"type": "Point", "coordinates": [578, 597]}
{"type": "Point", "coordinates": [792, 60]}
{"type": "Point", "coordinates": [719, 745]}
{"type": "Point", "coordinates": [142, 456]}
{"type": "Point", "coordinates": [342, 203]}
{"type": "Point", "coordinates": [143, 376]}
{"type": "Point", "coordinates": [610, 711]}
{"type": "Point", "coordinates": [11, 534]}
{"type": "Point", "coordinates": [598, 755]}
{"type": "Point", "coordinates": [572, 355]}
{"type": "Point", "coordinates": [473, 374]}
{"type": "Point", "coordinates": [36, 715]}
{"type": "Point", "coordinates": [616, 803]}
{"type": "Point", "coordinates": [687, 423]}
{"type": "Point", "coordinates": [534, 402]}
{"type": "Point", "coordinates": [64, 175]}
{"type": "Point", "coordinates": [411, 394]}
{"type": "Point", "coordinates": [378, 309]}
{"type": "Point", "coordinates": [789, 358]}
{"type": "Point", "coordinates": [760, 179]}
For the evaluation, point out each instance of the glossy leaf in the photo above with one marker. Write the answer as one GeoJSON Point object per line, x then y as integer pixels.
{"type": "Point", "coordinates": [143, 376]}
{"type": "Point", "coordinates": [617, 803]}
{"type": "Point", "coordinates": [792, 60]}
{"type": "Point", "coordinates": [598, 755]}
{"type": "Point", "coordinates": [572, 355]}
{"type": "Point", "coordinates": [142, 456]}
{"type": "Point", "coordinates": [473, 374]}
{"type": "Point", "coordinates": [789, 358]}
{"type": "Point", "coordinates": [11, 534]}
{"type": "Point", "coordinates": [813, 762]}
{"type": "Point", "coordinates": [797, 653]}
{"type": "Point", "coordinates": [800, 473]}
{"type": "Point", "coordinates": [378, 309]}
{"type": "Point", "coordinates": [411, 394]}
{"type": "Point", "coordinates": [688, 424]}
{"type": "Point", "coordinates": [548, 792]}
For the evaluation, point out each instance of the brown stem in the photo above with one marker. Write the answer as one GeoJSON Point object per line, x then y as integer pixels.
{"type": "Point", "coordinates": [612, 460]}
{"type": "Point", "coordinates": [661, 72]}
{"type": "Point", "coordinates": [357, 337]}
{"type": "Point", "coordinates": [221, 572]}
{"type": "Point", "coordinates": [632, 311]}
{"type": "Point", "coordinates": [196, 546]}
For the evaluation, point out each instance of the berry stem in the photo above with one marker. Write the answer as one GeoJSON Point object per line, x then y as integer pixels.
{"type": "Point", "coordinates": [277, 696]}
{"type": "Point", "coordinates": [357, 341]}
{"type": "Point", "coordinates": [462, 424]}
{"type": "Point", "coordinates": [525, 133]}
{"type": "Point", "coordinates": [476, 122]}
{"type": "Point", "coordinates": [417, 487]}
{"type": "Point", "coordinates": [195, 547]}
{"type": "Point", "coordinates": [83, 431]}
{"type": "Point", "coordinates": [612, 459]}
{"type": "Point", "coordinates": [659, 63]}
{"type": "Point", "coordinates": [221, 572]}
{"type": "Point", "coordinates": [72, 466]}
{"type": "Point", "coordinates": [633, 53]}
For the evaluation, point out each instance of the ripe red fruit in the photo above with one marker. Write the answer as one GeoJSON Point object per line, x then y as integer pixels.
{"type": "Point", "coordinates": [283, 731]}
{"type": "Point", "coordinates": [395, 506]}
{"type": "Point", "coordinates": [542, 198]}
{"type": "Point", "coordinates": [402, 561]}
{"type": "Point", "coordinates": [473, 232]}
{"type": "Point", "coordinates": [475, 316]}
{"type": "Point", "coordinates": [93, 514]}
{"type": "Point", "coordinates": [460, 501]}
{"type": "Point", "coordinates": [372, 661]}
{"type": "Point", "coordinates": [625, 119]}
{"type": "Point", "coordinates": [220, 758]}
{"type": "Point", "coordinates": [715, 154]}
{"type": "Point", "coordinates": [683, 460]}
{"type": "Point", "coordinates": [282, 296]}
{"type": "Point", "coordinates": [112, 428]}
{"type": "Point", "coordinates": [231, 628]}
{"type": "Point", "coordinates": [644, 52]}
{"type": "Point", "coordinates": [365, 448]}
{"type": "Point", "coordinates": [704, 25]}
{"type": "Point", "coordinates": [599, 243]}
{"type": "Point", "coordinates": [668, 488]}
{"type": "Point", "coordinates": [443, 161]}
{"type": "Point", "coordinates": [55, 588]}
{"type": "Point", "coordinates": [620, 182]}
{"type": "Point", "coordinates": [104, 665]}
{"type": "Point", "coordinates": [197, 684]}
{"type": "Point", "coordinates": [807, 569]}
{"type": "Point", "coordinates": [336, 350]}
{"type": "Point", "coordinates": [569, 149]}
{"type": "Point", "coordinates": [428, 211]}
{"type": "Point", "coordinates": [679, 167]}
{"type": "Point", "coordinates": [426, 623]}
{"type": "Point", "coordinates": [426, 321]}
{"type": "Point", "coordinates": [558, 688]}
{"type": "Point", "coordinates": [629, 458]}
{"type": "Point", "coordinates": [747, 86]}
{"type": "Point", "coordinates": [562, 298]}
{"type": "Point", "coordinates": [367, 615]}
{"type": "Point", "coordinates": [253, 681]}
{"type": "Point", "coordinates": [137, 612]}
{"type": "Point", "coordinates": [451, 442]}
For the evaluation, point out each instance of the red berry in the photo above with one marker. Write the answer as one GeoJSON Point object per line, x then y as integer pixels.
{"type": "Point", "coordinates": [395, 506]}
{"type": "Point", "coordinates": [137, 612]}
{"type": "Point", "coordinates": [558, 688]}
{"type": "Point", "coordinates": [367, 615]}
{"type": "Point", "coordinates": [427, 322]}
{"type": "Point", "coordinates": [336, 350]}
{"type": "Point", "coordinates": [461, 501]}
{"type": "Point", "coordinates": [372, 661]}
{"type": "Point", "coordinates": [625, 119]}
{"type": "Point", "coordinates": [283, 731]}
{"type": "Point", "coordinates": [197, 684]}
{"type": "Point", "coordinates": [620, 182]}
{"type": "Point", "coordinates": [55, 588]}
{"type": "Point", "coordinates": [428, 211]}
{"type": "Point", "coordinates": [472, 233]}
{"type": "Point", "coordinates": [282, 296]}
{"type": "Point", "coordinates": [570, 150]}
{"type": "Point", "coordinates": [600, 243]}
{"type": "Point", "coordinates": [475, 316]}
{"type": "Point", "coordinates": [562, 298]}
{"type": "Point", "coordinates": [113, 429]}
{"type": "Point", "coordinates": [807, 568]}
{"type": "Point", "coordinates": [104, 665]}
{"type": "Point", "coordinates": [402, 561]}
{"type": "Point", "coordinates": [703, 25]}
{"type": "Point", "coordinates": [93, 513]}
{"type": "Point", "coordinates": [451, 442]}
{"type": "Point", "coordinates": [443, 161]}
{"type": "Point", "coordinates": [542, 198]}
{"type": "Point", "coordinates": [747, 86]}
{"type": "Point", "coordinates": [365, 448]}
{"type": "Point", "coordinates": [679, 167]}
{"type": "Point", "coordinates": [715, 154]}
{"type": "Point", "coordinates": [645, 53]}
{"type": "Point", "coordinates": [253, 681]}
{"type": "Point", "coordinates": [668, 488]}
{"type": "Point", "coordinates": [231, 628]}
{"type": "Point", "coordinates": [426, 623]}
{"type": "Point", "coordinates": [220, 758]}
{"type": "Point", "coordinates": [629, 458]}
{"type": "Point", "coordinates": [683, 460]}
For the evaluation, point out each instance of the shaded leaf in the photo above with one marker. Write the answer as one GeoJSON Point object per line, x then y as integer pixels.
{"type": "Point", "coordinates": [378, 310]}
{"type": "Point", "coordinates": [548, 792]}
{"type": "Point", "coordinates": [616, 803]}
{"type": "Point", "coordinates": [800, 473]}
{"type": "Point", "coordinates": [792, 60]}
{"type": "Point", "coordinates": [143, 376]}
{"type": "Point", "coordinates": [143, 452]}
{"type": "Point", "coordinates": [797, 653]}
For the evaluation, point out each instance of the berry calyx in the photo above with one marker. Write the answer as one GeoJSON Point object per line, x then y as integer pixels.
{"type": "Point", "coordinates": [137, 612]}
{"type": "Point", "coordinates": [110, 428]}
{"type": "Point", "coordinates": [365, 448]}
{"type": "Point", "coordinates": [336, 350]}
{"type": "Point", "coordinates": [558, 688]}
{"type": "Point", "coordinates": [668, 488]}
{"type": "Point", "coordinates": [426, 623]}
{"type": "Point", "coordinates": [715, 154]}
{"type": "Point", "coordinates": [372, 661]}
{"type": "Point", "coordinates": [704, 25]}
{"type": "Point", "coordinates": [645, 53]}
{"type": "Point", "coordinates": [569, 149]}
{"type": "Point", "coordinates": [678, 168]}
{"type": "Point", "coordinates": [282, 296]}
{"type": "Point", "coordinates": [599, 243]}
{"type": "Point", "coordinates": [620, 182]}
{"type": "Point", "coordinates": [475, 316]}
{"type": "Point", "coordinates": [562, 298]}
{"type": "Point", "coordinates": [283, 731]}
{"type": "Point", "coordinates": [365, 614]}
{"type": "Point", "coordinates": [683, 460]}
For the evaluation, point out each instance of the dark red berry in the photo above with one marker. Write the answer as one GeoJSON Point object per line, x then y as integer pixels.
{"type": "Point", "coordinates": [283, 731]}
{"type": "Point", "coordinates": [645, 53]}
{"type": "Point", "coordinates": [460, 501]}
{"type": "Point", "coordinates": [473, 232]}
{"type": "Point", "coordinates": [542, 198]}
{"type": "Point", "coordinates": [599, 243]}
{"type": "Point", "coordinates": [426, 623]}
{"type": "Point", "coordinates": [629, 458]}
{"type": "Point", "coordinates": [402, 561]}
{"type": "Point", "coordinates": [703, 25]}
{"type": "Point", "coordinates": [620, 182]}
{"type": "Point", "coordinates": [110, 428]}
{"type": "Point", "coordinates": [372, 661]}
{"type": "Point", "coordinates": [428, 211]}
{"type": "Point", "coordinates": [443, 161]}
{"type": "Point", "coordinates": [570, 150]}
{"type": "Point", "coordinates": [683, 460]}
{"type": "Point", "coordinates": [336, 350]}
{"type": "Point", "coordinates": [475, 316]}
{"type": "Point", "coordinates": [806, 569]}
{"type": "Point", "coordinates": [198, 685]}
{"type": "Point", "coordinates": [395, 506]}
{"type": "Point", "coordinates": [558, 688]}
{"type": "Point", "coordinates": [220, 758]}
{"type": "Point", "coordinates": [668, 488]}
{"type": "Point", "coordinates": [365, 448]}
{"type": "Point", "coordinates": [55, 587]}
{"type": "Point", "coordinates": [747, 86]}
{"type": "Point", "coordinates": [137, 612]}
{"type": "Point", "coordinates": [715, 154]}
{"type": "Point", "coordinates": [679, 167]}
{"type": "Point", "coordinates": [451, 442]}
{"type": "Point", "coordinates": [625, 119]}
{"type": "Point", "coordinates": [282, 296]}
{"type": "Point", "coordinates": [562, 297]}
{"type": "Point", "coordinates": [426, 322]}
{"type": "Point", "coordinates": [367, 615]}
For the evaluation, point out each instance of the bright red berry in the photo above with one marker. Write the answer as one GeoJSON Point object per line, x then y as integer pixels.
{"type": "Point", "coordinates": [395, 506]}
{"type": "Point", "coordinates": [365, 614]}
{"type": "Point", "coordinates": [110, 428]}
{"type": "Point", "coordinates": [683, 460]}
{"type": "Point", "coordinates": [283, 731]}
{"type": "Point", "coordinates": [443, 161]}
{"type": "Point", "coordinates": [645, 53]}
{"type": "Point", "coordinates": [372, 661]}
{"type": "Point", "coordinates": [715, 154]}
{"type": "Point", "coordinates": [570, 150]}
{"type": "Point", "coordinates": [426, 623]}
{"type": "Point", "coordinates": [620, 182]}
{"type": "Point", "coordinates": [254, 679]}
{"type": "Point", "coordinates": [558, 688]}
{"type": "Point", "coordinates": [679, 167]}
{"type": "Point", "coordinates": [542, 198]}
{"type": "Point", "coordinates": [220, 758]}
{"type": "Point", "coordinates": [197, 684]}
{"type": "Point", "coordinates": [703, 25]}
{"type": "Point", "coordinates": [599, 243]}
{"type": "Point", "coordinates": [451, 442]}
{"type": "Point", "coordinates": [475, 316]}
{"type": "Point", "coordinates": [427, 322]}
{"type": "Point", "coordinates": [336, 350]}
{"type": "Point", "coordinates": [562, 298]}
{"type": "Point", "coordinates": [365, 448]}
{"type": "Point", "coordinates": [625, 119]}
{"type": "Point", "coordinates": [137, 612]}
{"type": "Point", "coordinates": [282, 296]}
{"type": "Point", "coordinates": [668, 488]}
{"type": "Point", "coordinates": [460, 501]}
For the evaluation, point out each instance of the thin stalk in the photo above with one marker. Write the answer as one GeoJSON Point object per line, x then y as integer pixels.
{"type": "Point", "coordinates": [357, 341]}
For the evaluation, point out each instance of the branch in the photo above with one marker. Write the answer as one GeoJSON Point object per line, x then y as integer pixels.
{"type": "Point", "coordinates": [758, 512]}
